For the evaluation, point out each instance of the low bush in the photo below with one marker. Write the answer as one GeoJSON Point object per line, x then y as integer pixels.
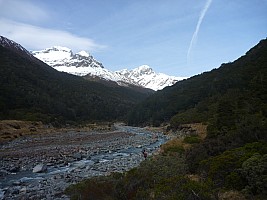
{"type": "Point", "coordinates": [192, 139]}
{"type": "Point", "coordinates": [236, 168]}
{"type": "Point", "coordinates": [172, 147]}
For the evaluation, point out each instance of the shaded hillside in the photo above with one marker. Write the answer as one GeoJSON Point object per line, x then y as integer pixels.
{"type": "Point", "coordinates": [110, 83]}
{"type": "Point", "coordinates": [199, 96]}
{"type": "Point", "coordinates": [32, 90]}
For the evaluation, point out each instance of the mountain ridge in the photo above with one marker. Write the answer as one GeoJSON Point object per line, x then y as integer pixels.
{"type": "Point", "coordinates": [17, 48]}
{"type": "Point", "coordinates": [32, 90]}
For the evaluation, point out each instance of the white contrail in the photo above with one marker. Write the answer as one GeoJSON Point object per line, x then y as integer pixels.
{"type": "Point", "coordinates": [194, 38]}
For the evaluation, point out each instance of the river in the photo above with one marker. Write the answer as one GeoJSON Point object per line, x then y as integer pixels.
{"type": "Point", "coordinates": [116, 151]}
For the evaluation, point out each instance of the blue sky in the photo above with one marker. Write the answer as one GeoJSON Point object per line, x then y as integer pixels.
{"type": "Point", "coordinates": [176, 37]}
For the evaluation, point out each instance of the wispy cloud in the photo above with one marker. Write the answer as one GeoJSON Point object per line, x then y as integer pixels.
{"type": "Point", "coordinates": [22, 11]}
{"type": "Point", "coordinates": [194, 37]}
{"type": "Point", "coordinates": [21, 21]}
{"type": "Point", "coordinates": [36, 38]}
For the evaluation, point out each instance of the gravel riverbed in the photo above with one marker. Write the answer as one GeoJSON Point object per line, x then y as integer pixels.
{"type": "Point", "coordinates": [68, 157]}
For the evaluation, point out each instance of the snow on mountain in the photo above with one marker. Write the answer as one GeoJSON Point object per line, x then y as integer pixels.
{"type": "Point", "coordinates": [63, 59]}
{"type": "Point", "coordinates": [53, 55]}
{"type": "Point", "coordinates": [145, 76]}
{"type": "Point", "coordinates": [82, 63]}
{"type": "Point", "coordinates": [83, 53]}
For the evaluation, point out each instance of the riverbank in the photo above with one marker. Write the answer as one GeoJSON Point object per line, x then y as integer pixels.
{"type": "Point", "coordinates": [13, 129]}
{"type": "Point", "coordinates": [70, 157]}
{"type": "Point", "coordinates": [163, 176]}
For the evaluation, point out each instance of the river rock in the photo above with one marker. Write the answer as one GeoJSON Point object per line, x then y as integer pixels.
{"type": "Point", "coordinates": [78, 156]}
{"type": "Point", "coordinates": [23, 190]}
{"type": "Point", "coordinates": [70, 163]}
{"type": "Point", "coordinates": [3, 172]}
{"type": "Point", "coordinates": [40, 168]}
{"type": "Point", "coordinates": [15, 190]}
{"type": "Point", "coordinates": [78, 164]}
{"type": "Point", "coordinates": [16, 183]}
{"type": "Point", "coordinates": [14, 169]}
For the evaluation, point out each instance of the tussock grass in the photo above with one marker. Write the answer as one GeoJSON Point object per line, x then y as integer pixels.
{"type": "Point", "coordinates": [174, 145]}
{"type": "Point", "coordinates": [201, 129]}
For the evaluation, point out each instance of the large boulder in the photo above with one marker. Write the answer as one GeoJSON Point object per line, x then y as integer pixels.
{"type": "Point", "coordinates": [40, 168]}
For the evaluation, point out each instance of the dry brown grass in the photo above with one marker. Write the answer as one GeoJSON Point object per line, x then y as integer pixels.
{"type": "Point", "coordinates": [176, 142]}
{"type": "Point", "coordinates": [11, 129]}
{"type": "Point", "coordinates": [194, 177]}
{"type": "Point", "coordinates": [231, 195]}
{"type": "Point", "coordinates": [201, 131]}
{"type": "Point", "coordinates": [200, 128]}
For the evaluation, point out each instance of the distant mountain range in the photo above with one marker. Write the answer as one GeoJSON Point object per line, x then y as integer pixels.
{"type": "Point", "coordinates": [83, 64]}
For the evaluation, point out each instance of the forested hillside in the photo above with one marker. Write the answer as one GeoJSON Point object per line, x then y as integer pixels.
{"type": "Point", "coordinates": [32, 90]}
{"type": "Point", "coordinates": [228, 161]}
{"type": "Point", "coordinates": [240, 85]}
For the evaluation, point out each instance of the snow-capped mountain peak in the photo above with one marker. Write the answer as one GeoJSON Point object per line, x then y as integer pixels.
{"type": "Point", "coordinates": [143, 70]}
{"type": "Point", "coordinates": [58, 48]}
{"type": "Point", "coordinates": [83, 53]}
{"type": "Point", "coordinates": [147, 77]}
{"type": "Point", "coordinates": [63, 59]}
{"type": "Point", "coordinates": [83, 64]}
{"type": "Point", "coordinates": [53, 54]}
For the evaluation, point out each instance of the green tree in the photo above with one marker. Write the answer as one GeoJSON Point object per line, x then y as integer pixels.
{"type": "Point", "coordinates": [254, 171]}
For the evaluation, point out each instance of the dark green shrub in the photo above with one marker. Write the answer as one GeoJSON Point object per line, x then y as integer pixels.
{"type": "Point", "coordinates": [95, 188]}
{"type": "Point", "coordinates": [192, 139]}
{"type": "Point", "coordinates": [235, 181]}
{"type": "Point", "coordinates": [223, 168]}
{"type": "Point", "coordinates": [174, 149]}
{"type": "Point", "coordinates": [254, 170]}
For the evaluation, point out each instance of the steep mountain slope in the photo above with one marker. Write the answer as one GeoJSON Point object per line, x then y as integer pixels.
{"type": "Point", "coordinates": [16, 48]}
{"type": "Point", "coordinates": [200, 94]}
{"type": "Point", "coordinates": [83, 64]}
{"type": "Point", "coordinates": [30, 89]}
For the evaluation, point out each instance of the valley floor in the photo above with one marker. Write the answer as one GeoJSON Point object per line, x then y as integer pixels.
{"type": "Point", "coordinates": [67, 157]}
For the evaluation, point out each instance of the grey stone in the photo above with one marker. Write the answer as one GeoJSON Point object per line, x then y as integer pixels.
{"type": "Point", "coordinates": [16, 183]}
{"type": "Point", "coordinates": [14, 169]}
{"type": "Point", "coordinates": [78, 156]}
{"type": "Point", "coordinates": [79, 164]}
{"type": "Point", "coordinates": [40, 168]}
{"type": "Point", "coordinates": [23, 190]}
